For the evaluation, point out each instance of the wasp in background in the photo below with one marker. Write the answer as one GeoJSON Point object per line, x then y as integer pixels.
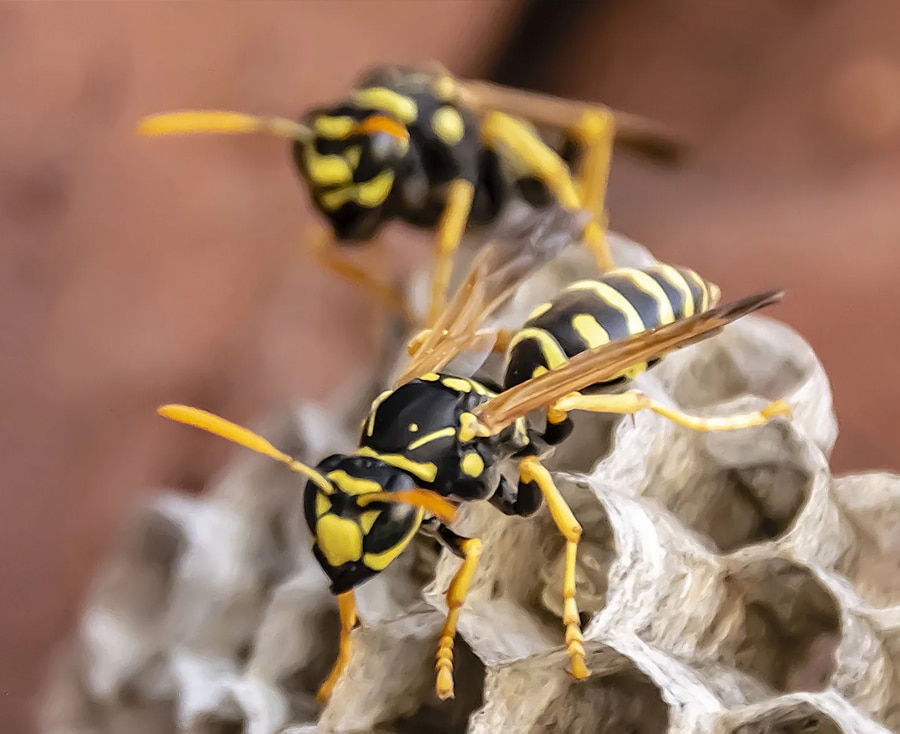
{"type": "Point", "coordinates": [436, 440]}
{"type": "Point", "coordinates": [442, 154]}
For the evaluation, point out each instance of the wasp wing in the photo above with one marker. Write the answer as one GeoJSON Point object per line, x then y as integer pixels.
{"type": "Point", "coordinates": [496, 271]}
{"type": "Point", "coordinates": [608, 361]}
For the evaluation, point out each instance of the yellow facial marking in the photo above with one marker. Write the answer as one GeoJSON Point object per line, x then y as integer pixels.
{"type": "Point", "coordinates": [339, 540]}
{"type": "Point", "coordinates": [380, 561]}
{"type": "Point", "coordinates": [590, 330]}
{"type": "Point", "coordinates": [457, 383]}
{"type": "Point", "coordinates": [378, 98]}
{"type": "Point", "coordinates": [550, 348]}
{"type": "Point", "coordinates": [427, 472]}
{"type": "Point", "coordinates": [335, 128]}
{"type": "Point", "coordinates": [352, 156]}
{"type": "Point", "coordinates": [327, 170]}
{"type": "Point", "coordinates": [428, 438]}
{"type": "Point", "coordinates": [372, 193]}
{"type": "Point", "coordinates": [472, 464]}
{"type": "Point", "coordinates": [540, 310]}
{"type": "Point", "coordinates": [367, 520]}
{"type": "Point", "coordinates": [448, 125]}
{"type": "Point", "coordinates": [353, 485]}
{"type": "Point", "coordinates": [616, 300]}
{"type": "Point", "coordinates": [323, 504]}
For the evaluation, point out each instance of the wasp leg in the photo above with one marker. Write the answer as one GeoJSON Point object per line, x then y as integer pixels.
{"type": "Point", "coordinates": [519, 143]}
{"type": "Point", "coordinates": [349, 618]}
{"type": "Point", "coordinates": [634, 132]}
{"type": "Point", "coordinates": [328, 256]}
{"type": "Point", "coordinates": [450, 232]}
{"type": "Point", "coordinates": [531, 471]}
{"type": "Point", "coordinates": [499, 337]}
{"type": "Point", "coordinates": [633, 401]}
{"type": "Point", "coordinates": [469, 549]}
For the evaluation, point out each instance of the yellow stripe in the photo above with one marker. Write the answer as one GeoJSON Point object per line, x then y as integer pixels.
{"type": "Point", "coordinates": [334, 128]}
{"type": "Point", "coordinates": [550, 348]}
{"type": "Point", "coordinates": [540, 310]}
{"type": "Point", "coordinates": [678, 283]}
{"type": "Point", "coordinates": [644, 282]}
{"type": "Point", "coordinates": [614, 299]}
{"type": "Point", "coordinates": [380, 98]}
{"type": "Point", "coordinates": [704, 291]}
{"type": "Point", "coordinates": [443, 433]}
{"type": "Point", "coordinates": [380, 561]}
{"type": "Point", "coordinates": [353, 485]}
{"type": "Point", "coordinates": [590, 331]}
{"type": "Point", "coordinates": [427, 472]}
{"type": "Point", "coordinates": [376, 403]}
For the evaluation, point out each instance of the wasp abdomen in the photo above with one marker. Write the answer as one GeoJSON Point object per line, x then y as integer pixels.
{"type": "Point", "coordinates": [590, 313]}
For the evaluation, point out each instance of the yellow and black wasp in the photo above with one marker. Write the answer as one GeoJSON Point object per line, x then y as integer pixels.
{"type": "Point", "coordinates": [440, 153]}
{"type": "Point", "coordinates": [436, 440]}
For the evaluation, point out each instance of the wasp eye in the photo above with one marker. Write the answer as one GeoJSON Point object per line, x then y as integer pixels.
{"type": "Point", "coordinates": [385, 147]}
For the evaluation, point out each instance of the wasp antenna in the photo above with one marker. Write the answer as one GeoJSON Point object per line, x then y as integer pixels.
{"type": "Point", "coordinates": [218, 426]}
{"type": "Point", "coordinates": [211, 121]}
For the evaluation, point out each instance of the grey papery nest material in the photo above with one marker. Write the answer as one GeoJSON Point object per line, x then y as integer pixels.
{"type": "Point", "coordinates": [728, 583]}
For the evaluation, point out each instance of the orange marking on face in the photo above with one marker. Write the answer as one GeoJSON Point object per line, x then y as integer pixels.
{"type": "Point", "coordinates": [382, 124]}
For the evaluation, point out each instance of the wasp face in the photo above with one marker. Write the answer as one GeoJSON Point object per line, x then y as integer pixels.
{"type": "Point", "coordinates": [355, 540]}
{"type": "Point", "coordinates": [351, 164]}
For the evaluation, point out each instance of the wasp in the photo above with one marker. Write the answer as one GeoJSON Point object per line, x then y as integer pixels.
{"type": "Point", "coordinates": [440, 153]}
{"type": "Point", "coordinates": [436, 440]}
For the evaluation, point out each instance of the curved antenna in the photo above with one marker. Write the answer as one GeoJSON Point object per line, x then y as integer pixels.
{"type": "Point", "coordinates": [212, 423]}
{"type": "Point", "coordinates": [188, 122]}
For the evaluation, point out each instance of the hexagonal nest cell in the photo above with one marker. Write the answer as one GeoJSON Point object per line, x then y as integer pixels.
{"type": "Point", "coordinates": [727, 583]}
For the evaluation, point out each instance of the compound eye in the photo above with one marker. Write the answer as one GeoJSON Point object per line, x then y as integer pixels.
{"type": "Point", "coordinates": [385, 147]}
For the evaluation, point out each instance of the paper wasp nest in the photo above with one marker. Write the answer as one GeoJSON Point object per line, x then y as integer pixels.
{"type": "Point", "coordinates": [728, 583]}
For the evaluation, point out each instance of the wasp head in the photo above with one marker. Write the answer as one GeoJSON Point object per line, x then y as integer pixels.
{"type": "Point", "coordinates": [356, 535]}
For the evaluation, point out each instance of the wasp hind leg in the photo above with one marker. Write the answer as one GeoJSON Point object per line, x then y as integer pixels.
{"type": "Point", "coordinates": [634, 401]}
{"type": "Point", "coordinates": [517, 141]}
{"type": "Point", "coordinates": [469, 549]}
{"type": "Point", "coordinates": [349, 619]}
{"type": "Point", "coordinates": [533, 473]}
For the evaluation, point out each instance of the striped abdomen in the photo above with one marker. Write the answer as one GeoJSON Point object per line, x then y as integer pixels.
{"type": "Point", "coordinates": [590, 313]}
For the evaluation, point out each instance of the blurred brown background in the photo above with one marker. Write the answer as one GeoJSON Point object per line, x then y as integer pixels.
{"type": "Point", "coordinates": [140, 272]}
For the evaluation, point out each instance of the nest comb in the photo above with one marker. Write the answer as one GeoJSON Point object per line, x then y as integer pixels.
{"type": "Point", "coordinates": [729, 584]}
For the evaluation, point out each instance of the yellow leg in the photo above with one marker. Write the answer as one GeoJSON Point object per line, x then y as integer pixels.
{"type": "Point", "coordinates": [327, 255]}
{"type": "Point", "coordinates": [450, 233]}
{"type": "Point", "coordinates": [531, 470]}
{"type": "Point", "coordinates": [633, 401]}
{"type": "Point", "coordinates": [499, 337]}
{"type": "Point", "coordinates": [516, 140]}
{"type": "Point", "coordinates": [456, 595]}
{"type": "Point", "coordinates": [347, 606]}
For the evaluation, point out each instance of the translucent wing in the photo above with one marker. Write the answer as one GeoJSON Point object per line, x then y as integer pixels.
{"type": "Point", "coordinates": [495, 273]}
{"type": "Point", "coordinates": [608, 361]}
